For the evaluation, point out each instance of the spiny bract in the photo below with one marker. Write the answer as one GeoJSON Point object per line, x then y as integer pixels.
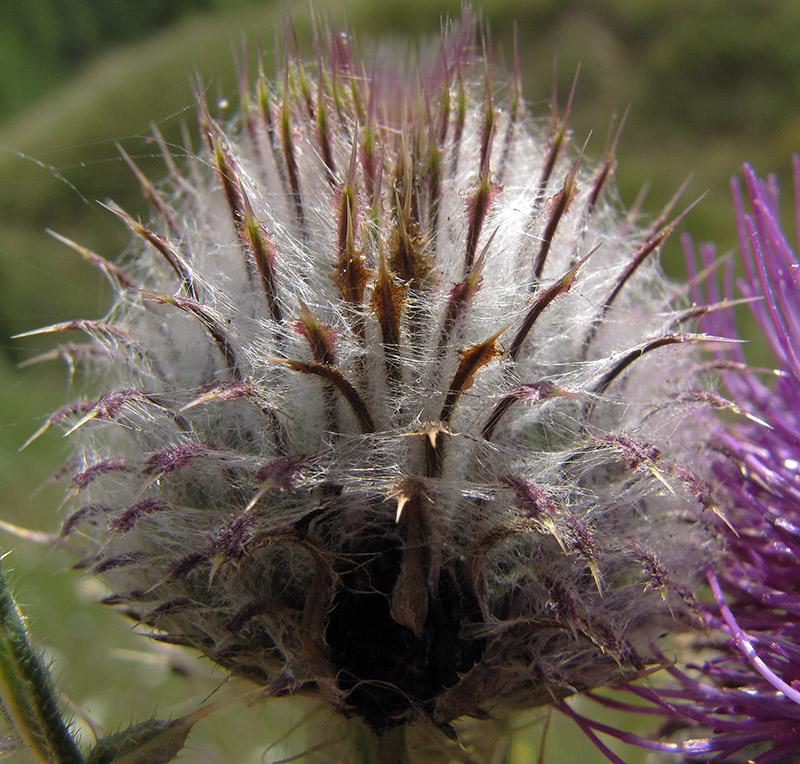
{"type": "Point", "coordinates": [395, 405]}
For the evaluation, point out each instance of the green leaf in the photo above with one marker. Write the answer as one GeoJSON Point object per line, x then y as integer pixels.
{"type": "Point", "coordinates": [151, 742]}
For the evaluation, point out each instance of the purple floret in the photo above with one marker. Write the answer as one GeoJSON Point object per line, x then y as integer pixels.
{"type": "Point", "coordinates": [743, 704]}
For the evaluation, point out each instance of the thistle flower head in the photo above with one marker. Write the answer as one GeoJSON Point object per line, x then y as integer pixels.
{"type": "Point", "coordinates": [742, 704]}
{"type": "Point", "coordinates": [393, 404]}
{"type": "Point", "coordinates": [756, 589]}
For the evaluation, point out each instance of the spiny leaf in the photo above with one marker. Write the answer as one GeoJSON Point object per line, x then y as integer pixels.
{"type": "Point", "coordinates": [407, 255]}
{"type": "Point", "coordinates": [109, 268]}
{"type": "Point", "coordinates": [478, 205]}
{"type": "Point", "coordinates": [472, 358]}
{"type": "Point", "coordinates": [151, 742]}
{"type": "Point", "coordinates": [320, 336]}
{"type": "Point", "coordinates": [90, 326]}
{"type": "Point", "coordinates": [150, 193]}
{"type": "Point", "coordinates": [162, 245]}
{"type": "Point", "coordinates": [410, 596]}
{"type": "Point", "coordinates": [207, 318]}
{"type": "Point", "coordinates": [542, 300]}
{"type": "Point", "coordinates": [651, 244]}
{"type": "Point", "coordinates": [387, 302]}
{"type": "Point", "coordinates": [340, 382]}
{"type": "Point", "coordinates": [350, 272]}
{"type": "Point", "coordinates": [289, 155]}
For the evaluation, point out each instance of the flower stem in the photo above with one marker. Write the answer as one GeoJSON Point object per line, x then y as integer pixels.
{"type": "Point", "coordinates": [27, 695]}
{"type": "Point", "coordinates": [391, 747]}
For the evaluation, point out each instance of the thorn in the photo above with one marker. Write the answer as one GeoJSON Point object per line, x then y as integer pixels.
{"type": "Point", "coordinates": [402, 500]}
{"type": "Point", "coordinates": [216, 563]}
{"type": "Point", "coordinates": [598, 581]}
{"type": "Point", "coordinates": [37, 537]}
{"type": "Point", "coordinates": [431, 430]}
{"type": "Point", "coordinates": [85, 325]}
{"type": "Point", "coordinates": [93, 414]}
{"type": "Point", "coordinates": [41, 431]}
{"type": "Point", "coordinates": [108, 267]}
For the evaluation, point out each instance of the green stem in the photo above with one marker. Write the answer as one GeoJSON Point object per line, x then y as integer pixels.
{"type": "Point", "coordinates": [391, 747]}
{"type": "Point", "coordinates": [27, 692]}
{"type": "Point", "coordinates": [368, 748]}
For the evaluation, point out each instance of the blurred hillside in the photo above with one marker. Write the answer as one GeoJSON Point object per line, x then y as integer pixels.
{"type": "Point", "coordinates": [45, 42]}
{"type": "Point", "coordinates": [710, 84]}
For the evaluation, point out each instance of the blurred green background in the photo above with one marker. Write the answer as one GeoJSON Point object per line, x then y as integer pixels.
{"type": "Point", "coordinates": [710, 84]}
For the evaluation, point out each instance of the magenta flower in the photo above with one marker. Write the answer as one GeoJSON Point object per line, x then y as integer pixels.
{"type": "Point", "coordinates": [743, 703]}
